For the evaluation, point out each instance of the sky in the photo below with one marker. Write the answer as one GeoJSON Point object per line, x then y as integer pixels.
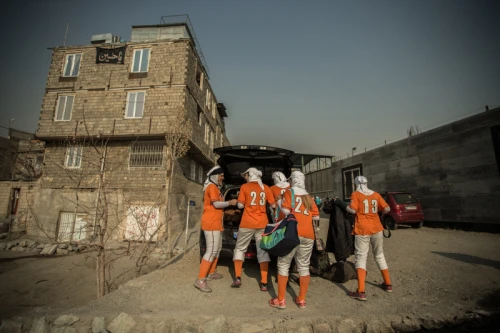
{"type": "Point", "coordinates": [316, 77]}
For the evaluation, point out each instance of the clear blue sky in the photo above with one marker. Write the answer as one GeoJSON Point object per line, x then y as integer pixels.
{"type": "Point", "coordinates": [311, 76]}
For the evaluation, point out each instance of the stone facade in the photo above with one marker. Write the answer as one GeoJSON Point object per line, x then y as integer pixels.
{"type": "Point", "coordinates": [94, 112]}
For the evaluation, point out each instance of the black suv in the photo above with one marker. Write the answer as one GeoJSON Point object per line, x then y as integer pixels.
{"type": "Point", "coordinates": [235, 160]}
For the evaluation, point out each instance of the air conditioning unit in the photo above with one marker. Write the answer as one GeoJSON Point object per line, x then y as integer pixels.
{"type": "Point", "coordinates": [102, 38]}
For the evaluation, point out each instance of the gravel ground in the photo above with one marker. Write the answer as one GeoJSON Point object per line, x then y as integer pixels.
{"type": "Point", "coordinates": [437, 275]}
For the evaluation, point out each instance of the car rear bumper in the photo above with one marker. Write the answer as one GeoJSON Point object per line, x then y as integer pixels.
{"type": "Point", "coordinates": [408, 217]}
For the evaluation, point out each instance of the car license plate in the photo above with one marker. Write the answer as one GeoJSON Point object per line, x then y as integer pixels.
{"type": "Point", "coordinates": [411, 207]}
{"type": "Point", "coordinates": [235, 234]}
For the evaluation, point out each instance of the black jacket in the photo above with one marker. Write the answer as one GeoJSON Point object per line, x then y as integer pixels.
{"type": "Point", "coordinates": [340, 240]}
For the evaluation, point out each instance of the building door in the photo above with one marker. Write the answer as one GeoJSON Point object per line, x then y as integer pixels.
{"type": "Point", "coordinates": [142, 223]}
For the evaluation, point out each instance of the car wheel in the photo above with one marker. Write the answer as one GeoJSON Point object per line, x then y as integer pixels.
{"type": "Point", "coordinates": [417, 225]}
{"type": "Point", "coordinates": [390, 223]}
{"type": "Point", "coordinates": [203, 244]}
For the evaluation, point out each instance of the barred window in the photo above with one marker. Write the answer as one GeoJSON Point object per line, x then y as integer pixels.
{"type": "Point", "coordinates": [73, 158]}
{"type": "Point", "coordinates": [146, 154]}
{"type": "Point", "coordinates": [348, 176]}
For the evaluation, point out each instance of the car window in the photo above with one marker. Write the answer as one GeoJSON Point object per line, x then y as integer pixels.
{"type": "Point", "coordinates": [404, 198]}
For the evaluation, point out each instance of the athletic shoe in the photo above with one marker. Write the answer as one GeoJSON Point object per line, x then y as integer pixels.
{"type": "Point", "coordinates": [202, 285]}
{"type": "Point", "coordinates": [263, 286]}
{"type": "Point", "coordinates": [300, 304]}
{"type": "Point", "coordinates": [357, 295]}
{"type": "Point", "coordinates": [386, 287]}
{"type": "Point", "coordinates": [236, 283]}
{"type": "Point", "coordinates": [276, 303]}
{"type": "Point", "coordinates": [214, 276]}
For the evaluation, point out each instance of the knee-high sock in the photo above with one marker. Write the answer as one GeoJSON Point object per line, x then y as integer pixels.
{"type": "Point", "coordinates": [361, 279]}
{"type": "Point", "coordinates": [238, 266]}
{"type": "Point", "coordinates": [282, 281]}
{"type": "Point", "coordinates": [264, 268]}
{"type": "Point", "coordinates": [204, 267]}
{"type": "Point", "coordinates": [214, 266]}
{"type": "Point", "coordinates": [385, 275]}
{"type": "Point", "coordinates": [304, 285]}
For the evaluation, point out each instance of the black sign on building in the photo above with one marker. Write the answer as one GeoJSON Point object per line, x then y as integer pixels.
{"type": "Point", "coordinates": [110, 56]}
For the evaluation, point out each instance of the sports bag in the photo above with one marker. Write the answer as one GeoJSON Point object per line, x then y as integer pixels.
{"type": "Point", "coordinates": [281, 238]}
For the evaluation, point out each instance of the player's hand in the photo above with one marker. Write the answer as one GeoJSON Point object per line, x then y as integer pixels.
{"type": "Point", "coordinates": [233, 202]}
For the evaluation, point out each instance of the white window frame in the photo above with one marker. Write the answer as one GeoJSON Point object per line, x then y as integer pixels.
{"type": "Point", "coordinates": [73, 158]}
{"type": "Point", "coordinates": [200, 118]}
{"type": "Point", "coordinates": [212, 139]}
{"type": "Point", "coordinates": [59, 101]}
{"type": "Point", "coordinates": [207, 133]}
{"type": "Point", "coordinates": [200, 175]}
{"type": "Point", "coordinates": [352, 171]}
{"type": "Point", "coordinates": [214, 109]}
{"type": "Point", "coordinates": [139, 151]}
{"type": "Point", "coordinates": [192, 169]}
{"type": "Point", "coordinates": [72, 65]}
{"type": "Point", "coordinates": [135, 104]}
{"type": "Point", "coordinates": [141, 51]}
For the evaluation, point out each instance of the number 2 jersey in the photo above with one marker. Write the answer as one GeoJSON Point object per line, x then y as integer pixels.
{"type": "Point", "coordinates": [367, 208]}
{"type": "Point", "coordinates": [254, 198]}
{"type": "Point", "coordinates": [302, 214]}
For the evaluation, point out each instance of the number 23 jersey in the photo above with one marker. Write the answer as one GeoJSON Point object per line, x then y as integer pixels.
{"type": "Point", "coordinates": [254, 198]}
{"type": "Point", "coordinates": [367, 208]}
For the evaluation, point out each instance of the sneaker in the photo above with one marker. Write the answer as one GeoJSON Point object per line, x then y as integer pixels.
{"type": "Point", "coordinates": [357, 295]}
{"type": "Point", "coordinates": [300, 304]}
{"type": "Point", "coordinates": [214, 276]}
{"type": "Point", "coordinates": [202, 285]}
{"type": "Point", "coordinates": [236, 283]}
{"type": "Point", "coordinates": [263, 286]}
{"type": "Point", "coordinates": [276, 303]}
{"type": "Point", "coordinates": [386, 287]}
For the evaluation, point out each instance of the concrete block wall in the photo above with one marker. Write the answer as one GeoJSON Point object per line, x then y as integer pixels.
{"type": "Point", "coordinates": [452, 170]}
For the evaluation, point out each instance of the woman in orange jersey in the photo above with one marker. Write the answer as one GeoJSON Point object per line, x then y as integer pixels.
{"type": "Point", "coordinates": [212, 226]}
{"type": "Point", "coordinates": [305, 211]}
{"type": "Point", "coordinates": [253, 197]}
{"type": "Point", "coordinates": [368, 229]}
{"type": "Point", "coordinates": [279, 187]}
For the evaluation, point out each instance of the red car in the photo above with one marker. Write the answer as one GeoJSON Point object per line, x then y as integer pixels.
{"type": "Point", "coordinates": [405, 209]}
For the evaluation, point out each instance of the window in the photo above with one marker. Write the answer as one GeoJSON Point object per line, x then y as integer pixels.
{"type": "Point", "coordinates": [207, 133]}
{"type": "Point", "coordinates": [64, 108]}
{"type": "Point", "coordinates": [208, 99]}
{"type": "Point", "coordinates": [146, 154]}
{"type": "Point", "coordinates": [201, 174]}
{"type": "Point", "coordinates": [135, 104]}
{"type": "Point", "coordinates": [214, 109]}
{"type": "Point", "coordinates": [200, 115]}
{"type": "Point", "coordinates": [348, 176]}
{"type": "Point", "coordinates": [199, 76]}
{"type": "Point", "coordinates": [212, 139]}
{"type": "Point", "coordinates": [72, 65]}
{"type": "Point", "coordinates": [73, 157]}
{"type": "Point", "coordinates": [141, 61]}
{"type": "Point", "coordinates": [192, 169]}
{"type": "Point", "coordinates": [71, 227]}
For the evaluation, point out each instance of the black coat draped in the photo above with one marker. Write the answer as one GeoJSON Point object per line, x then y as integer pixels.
{"type": "Point", "coordinates": [340, 240]}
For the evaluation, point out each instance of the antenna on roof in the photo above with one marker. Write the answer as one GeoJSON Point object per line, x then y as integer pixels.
{"type": "Point", "coordinates": [66, 34]}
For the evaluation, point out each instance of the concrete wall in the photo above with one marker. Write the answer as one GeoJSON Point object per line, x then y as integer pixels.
{"type": "Point", "coordinates": [452, 169]}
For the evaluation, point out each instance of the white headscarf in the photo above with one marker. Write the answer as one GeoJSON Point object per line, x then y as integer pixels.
{"type": "Point", "coordinates": [361, 182]}
{"type": "Point", "coordinates": [213, 177]}
{"type": "Point", "coordinates": [280, 180]}
{"type": "Point", "coordinates": [254, 175]}
{"type": "Point", "coordinates": [298, 182]}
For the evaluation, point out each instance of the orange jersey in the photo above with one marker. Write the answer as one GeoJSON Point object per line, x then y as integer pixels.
{"type": "Point", "coordinates": [212, 217]}
{"type": "Point", "coordinates": [302, 214]}
{"type": "Point", "coordinates": [279, 191]}
{"type": "Point", "coordinates": [254, 198]}
{"type": "Point", "coordinates": [367, 208]}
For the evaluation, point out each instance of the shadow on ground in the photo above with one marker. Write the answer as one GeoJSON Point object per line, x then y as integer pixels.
{"type": "Point", "coordinates": [470, 259]}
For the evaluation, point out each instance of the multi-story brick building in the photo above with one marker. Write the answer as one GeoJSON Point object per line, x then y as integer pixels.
{"type": "Point", "coordinates": [117, 101]}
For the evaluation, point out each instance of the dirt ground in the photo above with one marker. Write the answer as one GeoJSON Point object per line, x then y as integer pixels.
{"type": "Point", "coordinates": [436, 273]}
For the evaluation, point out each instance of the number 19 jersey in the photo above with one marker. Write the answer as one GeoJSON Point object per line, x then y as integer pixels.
{"type": "Point", "coordinates": [367, 208]}
{"type": "Point", "coordinates": [254, 198]}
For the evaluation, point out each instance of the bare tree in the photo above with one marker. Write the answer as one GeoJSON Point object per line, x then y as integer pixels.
{"type": "Point", "coordinates": [177, 141]}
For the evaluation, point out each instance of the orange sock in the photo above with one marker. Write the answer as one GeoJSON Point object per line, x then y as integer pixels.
{"type": "Point", "coordinates": [282, 281]}
{"type": "Point", "coordinates": [264, 267]}
{"type": "Point", "coordinates": [361, 279]}
{"type": "Point", "coordinates": [204, 267]}
{"type": "Point", "coordinates": [238, 266]}
{"type": "Point", "coordinates": [304, 285]}
{"type": "Point", "coordinates": [214, 266]}
{"type": "Point", "coordinates": [385, 275]}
